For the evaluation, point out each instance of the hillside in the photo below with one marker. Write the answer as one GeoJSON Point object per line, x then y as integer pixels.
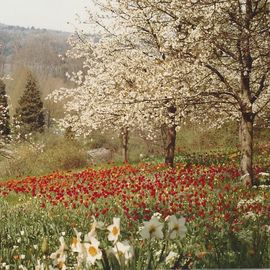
{"type": "Point", "coordinates": [35, 48]}
{"type": "Point", "coordinates": [23, 49]}
{"type": "Point", "coordinates": [13, 36]}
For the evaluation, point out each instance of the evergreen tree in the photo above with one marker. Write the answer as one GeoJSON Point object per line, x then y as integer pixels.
{"type": "Point", "coordinates": [30, 114]}
{"type": "Point", "coordinates": [4, 112]}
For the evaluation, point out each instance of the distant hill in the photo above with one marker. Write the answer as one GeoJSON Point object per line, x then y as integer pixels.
{"type": "Point", "coordinates": [13, 38]}
{"type": "Point", "coordinates": [36, 49]}
{"type": "Point", "coordinates": [21, 28]}
{"type": "Point", "coordinates": [23, 49]}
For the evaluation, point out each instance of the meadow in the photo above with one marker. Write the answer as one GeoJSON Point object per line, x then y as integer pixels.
{"type": "Point", "coordinates": [139, 216]}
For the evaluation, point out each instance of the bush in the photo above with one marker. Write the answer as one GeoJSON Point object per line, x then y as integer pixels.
{"type": "Point", "coordinates": [46, 155]}
{"type": "Point", "coordinates": [65, 155]}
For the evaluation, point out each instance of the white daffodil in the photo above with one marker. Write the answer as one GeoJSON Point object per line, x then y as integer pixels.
{"type": "Point", "coordinates": [176, 227]}
{"type": "Point", "coordinates": [152, 229]}
{"type": "Point", "coordinates": [123, 251]}
{"type": "Point", "coordinates": [92, 232]}
{"type": "Point", "coordinates": [76, 245]}
{"type": "Point", "coordinates": [59, 257]}
{"type": "Point", "coordinates": [61, 248]}
{"type": "Point", "coordinates": [114, 230]}
{"type": "Point", "coordinates": [92, 251]}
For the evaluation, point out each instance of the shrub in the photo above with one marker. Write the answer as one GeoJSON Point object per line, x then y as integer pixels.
{"type": "Point", "coordinates": [46, 155]}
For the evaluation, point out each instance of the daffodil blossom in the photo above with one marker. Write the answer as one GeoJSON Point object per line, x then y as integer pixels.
{"type": "Point", "coordinates": [114, 230]}
{"type": "Point", "coordinates": [92, 251]}
{"type": "Point", "coordinates": [59, 257]}
{"type": "Point", "coordinates": [76, 245]}
{"type": "Point", "coordinates": [176, 227]}
{"type": "Point", "coordinates": [152, 229]}
{"type": "Point", "coordinates": [96, 224]}
{"type": "Point", "coordinates": [123, 251]}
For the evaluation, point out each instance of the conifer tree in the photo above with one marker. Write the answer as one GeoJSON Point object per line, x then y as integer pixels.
{"type": "Point", "coordinates": [4, 113]}
{"type": "Point", "coordinates": [30, 114]}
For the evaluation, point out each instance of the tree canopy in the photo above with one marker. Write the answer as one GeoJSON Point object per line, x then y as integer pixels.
{"type": "Point", "coordinates": [157, 62]}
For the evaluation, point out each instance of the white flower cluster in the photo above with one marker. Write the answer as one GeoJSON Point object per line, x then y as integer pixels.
{"type": "Point", "coordinates": [154, 228]}
{"type": "Point", "coordinates": [244, 202]}
{"type": "Point", "coordinates": [89, 252]}
{"type": "Point", "coordinates": [157, 62]}
{"type": "Point", "coordinates": [250, 215]}
{"type": "Point", "coordinates": [249, 202]}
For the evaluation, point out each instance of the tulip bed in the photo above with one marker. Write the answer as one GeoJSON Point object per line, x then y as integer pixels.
{"type": "Point", "coordinates": [220, 222]}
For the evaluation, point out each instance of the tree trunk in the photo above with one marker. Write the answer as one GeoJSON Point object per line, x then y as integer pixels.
{"type": "Point", "coordinates": [246, 143]}
{"type": "Point", "coordinates": [124, 143]}
{"type": "Point", "coordinates": [168, 132]}
{"type": "Point", "coordinates": [170, 146]}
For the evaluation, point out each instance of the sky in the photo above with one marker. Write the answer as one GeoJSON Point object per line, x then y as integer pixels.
{"type": "Point", "coordinates": [50, 14]}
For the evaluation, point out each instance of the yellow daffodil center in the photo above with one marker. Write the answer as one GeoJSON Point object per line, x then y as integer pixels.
{"type": "Point", "coordinates": [120, 253]}
{"type": "Point", "coordinates": [60, 265]}
{"type": "Point", "coordinates": [176, 227]}
{"type": "Point", "coordinates": [92, 251]}
{"type": "Point", "coordinates": [115, 231]}
{"type": "Point", "coordinates": [152, 229]}
{"type": "Point", "coordinates": [74, 241]}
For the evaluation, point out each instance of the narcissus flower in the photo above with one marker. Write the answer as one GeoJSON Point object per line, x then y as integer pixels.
{"type": "Point", "coordinates": [123, 251]}
{"type": "Point", "coordinates": [152, 229]}
{"type": "Point", "coordinates": [114, 230]}
{"type": "Point", "coordinates": [176, 227]}
{"type": "Point", "coordinates": [59, 257]}
{"type": "Point", "coordinates": [76, 245]}
{"type": "Point", "coordinates": [95, 225]}
{"type": "Point", "coordinates": [92, 251]}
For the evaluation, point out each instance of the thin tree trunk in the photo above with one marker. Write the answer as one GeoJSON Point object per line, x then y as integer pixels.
{"type": "Point", "coordinates": [170, 146]}
{"type": "Point", "coordinates": [170, 137]}
{"type": "Point", "coordinates": [246, 143]}
{"type": "Point", "coordinates": [124, 142]}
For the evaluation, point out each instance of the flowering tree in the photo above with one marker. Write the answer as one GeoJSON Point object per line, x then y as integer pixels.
{"type": "Point", "coordinates": [227, 45]}
{"type": "Point", "coordinates": [229, 40]}
{"type": "Point", "coordinates": [131, 80]}
{"type": "Point", "coordinates": [92, 105]}
{"type": "Point", "coordinates": [156, 59]}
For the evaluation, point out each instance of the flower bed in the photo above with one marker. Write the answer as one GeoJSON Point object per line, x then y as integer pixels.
{"type": "Point", "coordinates": [227, 225]}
